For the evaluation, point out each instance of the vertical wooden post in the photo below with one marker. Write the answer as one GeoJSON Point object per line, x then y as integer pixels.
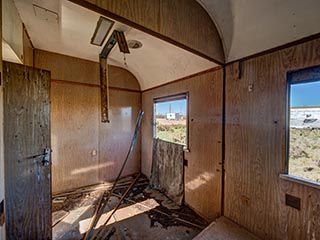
{"type": "Point", "coordinates": [2, 228]}
{"type": "Point", "coordinates": [104, 84]}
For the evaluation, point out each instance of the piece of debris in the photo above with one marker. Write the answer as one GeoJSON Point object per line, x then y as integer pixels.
{"type": "Point", "coordinates": [308, 169]}
{"type": "Point", "coordinates": [59, 200]}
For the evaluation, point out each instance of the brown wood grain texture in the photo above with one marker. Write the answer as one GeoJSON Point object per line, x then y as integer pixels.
{"type": "Point", "coordinates": [256, 148]}
{"type": "Point", "coordinates": [64, 67]}
{"type": "Point", "coordinates": [115, 137]}
{"type": "Point", "coordinates": [76, 128]}
{"type": "Point", "coordinates": [27, 133]}
{"type": "Point", "coordinates": [169, 20]}
{"type": "Point", "coordinates": [203, 174]}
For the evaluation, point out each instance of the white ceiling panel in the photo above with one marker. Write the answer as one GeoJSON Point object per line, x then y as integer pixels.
{"type": "Point", "coordinates": [252, 26]}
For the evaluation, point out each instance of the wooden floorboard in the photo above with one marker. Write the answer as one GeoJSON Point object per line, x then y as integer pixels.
{"type": "Point", "coordinates": [225, 229]}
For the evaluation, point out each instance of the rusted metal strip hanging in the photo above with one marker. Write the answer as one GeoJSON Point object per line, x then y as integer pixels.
{"type": "Point", "coordinates": [104, 83]}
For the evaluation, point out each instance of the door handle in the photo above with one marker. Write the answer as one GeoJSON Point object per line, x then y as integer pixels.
{"type": "Point", "coordinates": [46, 156]}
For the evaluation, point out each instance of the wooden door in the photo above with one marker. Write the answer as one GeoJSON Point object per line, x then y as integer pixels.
{"type": "Point", "coordinates": [27, 166]}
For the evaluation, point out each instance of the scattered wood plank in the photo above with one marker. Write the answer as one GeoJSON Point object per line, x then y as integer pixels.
{"type": "Point", "coordinates": [99, 187]}
{"type": "Point", "coordinates": [58, 217]}
{"type": "Point", "coordinates": [59, 200]}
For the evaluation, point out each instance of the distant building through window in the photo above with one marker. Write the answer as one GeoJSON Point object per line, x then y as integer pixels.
{"type": "Point", "coordinates": [304, 125]}
{"type": "Point", "coordinates": [170, 119]}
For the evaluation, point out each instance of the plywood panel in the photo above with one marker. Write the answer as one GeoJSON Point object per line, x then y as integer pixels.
{"type": "Point", "coordinates": [139, 11]}
{"type": "Point", "coordinates": [87, 151]}
{"type": "Point", "coordinates": [203, 174]}
{"type": "Point", "coordinates": [64, 67]}
{"type": "Point", "coordinates": [27, 134]}
{"type": "Point", "coordinates": [197, 31]}
{"type": "Point", "coordinates": [75, 131]}
{"type": "Point", "coordinates": [121, 78]}
{"type": "Point", "coordinates": [115, 137]}
{"type": "Point", "coordinates": [169, 20]}
{"type": "Point", "coordinates": [255, 148]}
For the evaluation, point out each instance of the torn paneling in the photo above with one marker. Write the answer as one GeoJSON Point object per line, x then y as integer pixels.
{"type": "Point", "coordinates": [167, 169]}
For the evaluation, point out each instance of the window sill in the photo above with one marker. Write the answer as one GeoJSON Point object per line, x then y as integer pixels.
{"type": "Point", "coordinates": [299, 180]}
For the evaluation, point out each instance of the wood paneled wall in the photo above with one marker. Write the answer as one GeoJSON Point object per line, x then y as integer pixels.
{"type": "Point", "coordinates": [167, 19]}
{"type": "Point", "coordinates": [256, 148]}
{"type": "Point", "coordinates": [86, 151]}
{"type": "Point", "coordinates": [203, 174]}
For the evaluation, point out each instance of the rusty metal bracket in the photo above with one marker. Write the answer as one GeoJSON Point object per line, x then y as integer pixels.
{"type": "Point", "coordinates": [104, 84]}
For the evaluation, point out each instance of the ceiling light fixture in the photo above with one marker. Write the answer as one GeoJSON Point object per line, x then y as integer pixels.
{"type": "Point", "coordinates": [134, 44]}
{"type": "Point", "coordinates": [103, 27]}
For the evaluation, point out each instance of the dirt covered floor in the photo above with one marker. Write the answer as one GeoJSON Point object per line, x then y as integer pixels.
{"type": "Point", "coordinates": [144, 214]}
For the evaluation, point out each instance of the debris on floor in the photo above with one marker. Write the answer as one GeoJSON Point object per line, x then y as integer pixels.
{"type": "Point", "coordinates": [145, 213]}
{"type": "Point", "coordinates": [59, 199]}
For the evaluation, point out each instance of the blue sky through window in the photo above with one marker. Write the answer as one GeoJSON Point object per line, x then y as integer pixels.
{"type": "Point", "coordinates": [176, 106]}
{"type": "Point", "coordinates": [305, 94]}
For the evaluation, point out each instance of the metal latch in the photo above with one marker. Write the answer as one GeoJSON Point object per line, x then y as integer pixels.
{"type": "Point", "coordinates": [46, 156]}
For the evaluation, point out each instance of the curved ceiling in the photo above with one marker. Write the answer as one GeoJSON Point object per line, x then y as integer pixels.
{"type": "Point", "coordinates": [156, 63]}
{"type": "Point", "coordinates": [251, 26]}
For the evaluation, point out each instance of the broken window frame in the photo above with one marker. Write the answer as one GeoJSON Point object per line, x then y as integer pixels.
{"type": "Point", "coordinates": [300, 76]}
{"type": "Point", "coordinates": [168, 98]}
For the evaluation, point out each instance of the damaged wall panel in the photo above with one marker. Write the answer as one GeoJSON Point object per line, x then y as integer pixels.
{"type": "Point", "coordinates": [86, 151]}
{"type": "Point", "coordinates": [167, 169]}
{"type": "Point", "coordinates": [203, 174]}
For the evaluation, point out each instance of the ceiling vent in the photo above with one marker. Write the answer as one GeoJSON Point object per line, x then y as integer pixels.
{"type": "Point", "coordinates": [134, 44]}
{"type": "Point", "coordinates": [46, 14]}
